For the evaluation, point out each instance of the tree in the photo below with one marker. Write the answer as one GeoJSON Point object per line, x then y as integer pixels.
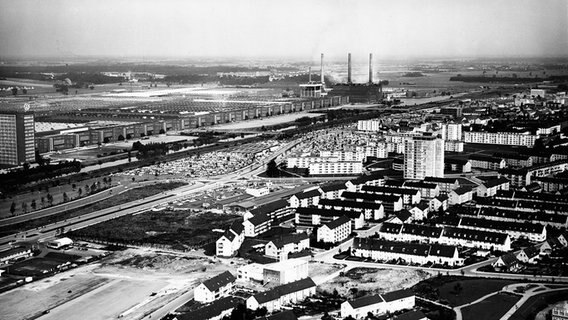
{"type": "Point", "coordinates": [26, 166]}
{"type": "Point", "coordinates": [80, 191]}
{"type": "Point", "coordinates": [14, 91]}
{"type": "Point", "coordinates": [25, 207]}
{"type": "Point", "coordinates": [33, 204]}
{"type": "Point", "coordinates": [65, 197]}
{"type": "Point", "coordinates": [49, 198]}
{"type": "Point", "coordinates": [24, 91]}
{"type": "Point", "coordinates": [272, 169]}
{"type": "Point", "coordinates": [326, 316]}
{"type": "Point", "coordinates": [13, 208]}
{"type": "Point", "coordinates": [120, 138]}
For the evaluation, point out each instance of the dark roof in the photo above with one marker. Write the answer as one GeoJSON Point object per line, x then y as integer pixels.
{"type": "Point", "coordinates": [496, 182]}
{"type": "Point", "coordinates": [219, 281]}
{"type": "Point", "coordinates": [370, 196]}
{"type": "Point", "coordinates": [211, 310]}
{"type": "Point", "coordinates": [516, 156]}
{"type": "Point", "coordinates": [502, 225]}
{"type": "Point", "coordinates": [280, 241]}
{"type": "Point", "coordinates": [439, 250]}
{"type": "Point", "coordinates": [475, 235]}
{"type": "Point", "coordinates": [334, 186]}
{"type": "Point", "coordinates": [481, 157]}
{"type": "Point", "coordinates": [442, 197]}
{"type": "Point", "coordinates": [328, 212]}
{"type": "Point", "coordinates": [456, 161]}
{"type": "Point", "coordinates": [229, 235]}
{"type": "Point", "coordinates": [403, 215]}
{"type": "Point", "coordinates": [526, 195]}
{"type": "Point", "coordinates": [523, 215]}
{"type": "Point", "coordinates": [366, 301]}
{"type": "Point", "coordinates": [531, 252]}
{"type": "Point", "coordinates": [509, 258]}
{"type": "Point", "coordinates": [270, 207]}
{"type": "Point", "coordinates": [388, 227]}
{"type": "Point", "coordinates": [237, 227]}
{"type": "Point", "coordinates": [462, 190]}
{"type": "Point", "coordinates": [308, 194]}
{"type": "Point", "coordinates": [349, 204]}
{"type": "Point", "coordinates": [337, 222]}
{"type": "Point", "coordinates": [423, 205]}
{"type": "Point", "coordinates": [422, 230]}
{"type": "Point", "coordinates": [440, 180]}
{"type": "Point", "coordinates": [390, 190]}
{"type": "Point", "coordinates": [259, 219]}
{"type": "Point", "coordinates": [397, 295]}
{"type": "Point", "coordinates": [374, 244]}
{"type": "Point", "coordinates": [411, 315]}
{"type": "Point", "coordinates": [277, 292]}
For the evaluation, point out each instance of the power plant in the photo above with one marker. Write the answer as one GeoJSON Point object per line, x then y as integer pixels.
{"type": "Point", "coordinates": [369, 92]}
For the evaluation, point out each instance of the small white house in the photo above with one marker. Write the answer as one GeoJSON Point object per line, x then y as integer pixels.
{"type": "Point", "coordinates": [214, 288]}
{"type": "Point", "coordinates": [280, 248]}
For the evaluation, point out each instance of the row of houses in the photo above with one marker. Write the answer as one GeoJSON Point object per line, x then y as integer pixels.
{"type": "Point", "coordinates": [534, 232]}
{"type": "Point", "coordinates": [447, 235]}
{"type": "Point", "coordinates": [379, 304]}
{"type": "Point", "coordinates": [415, 253]}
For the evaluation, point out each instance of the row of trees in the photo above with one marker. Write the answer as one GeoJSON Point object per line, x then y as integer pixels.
{"type": "Point", "coordinates": [27, 174]}
{"type": "Point", "coordinates": [47, 200]}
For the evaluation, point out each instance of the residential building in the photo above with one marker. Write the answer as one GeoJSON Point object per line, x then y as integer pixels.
{"type": "Point", "coordinates": [486, 162]}
{"type": "Point", "coordinates": [491, 187]}
{"type": "Point", "coordinates": [460, 195]}
{"type": "Point", "coordinates": [409, 196]}
{"type": "Point", "coordinates": [17, 144]}
{"type": "Point", "coordinates": [281, 247]}
{"type": "Point", "coordinates": [530, 255]}
{"type": "Point", "coordinates": [230, 242]}
{"type": "Point", "coordinates": [305, 199]}
{"type": "Point", "coordinates": [308, 218]}
{"type": "Point", "coordinates": [335, 231]}
{"type": "Point", "coordinates": [504, 138]}
{"type": "Point", "coordinates": [214, 288]}
{"type": "Point", "coordinates": [423, 157]}
{"type": "Point", "coordinates": [378, 304]}
{"type": "Point", "coordinates": [256, 225]}
{"type": "Point", "coordinates": [14, 254]}
{"type": "Point", "coordinates": [216, 310]}
{"type": "Point", "coordinates": [371, 210]}
{"type": "Point", "coordinates": [391, 203]}
{"type": "Point", "coordinates": [446, 184]}
{"type": "Point", "coordinates": [275, 298]}
{"type": "Point", "coordinates": [336, 168]}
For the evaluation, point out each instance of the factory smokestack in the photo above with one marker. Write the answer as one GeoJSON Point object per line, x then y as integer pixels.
{"type": "Point", "coordinates": [349, 68]}
{"type": "Point", "coordinates": [322, 80]}
{"type": "Point", "coordinates": [370, 68]}
{"type": "Point", "coordinates": [309, 74]}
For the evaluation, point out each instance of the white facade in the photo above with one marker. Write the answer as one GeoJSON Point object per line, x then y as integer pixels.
{"type": "Point", "coordinates": [453, 131]}
{"type": "Point", "coordinates": [280, 252]}
{"type": "Point", "coordinates": [369, 125]}
{"type": "Point", "coordinates": [344, 167]}
{"type": "Point", "coordinates": [506, 138]}
{"type": "Point", "coordinates": [284, 272]}
{"type": "Point", "coordinates": [423, 157]}
{"type": "Point", "coordinates": [335, 233]}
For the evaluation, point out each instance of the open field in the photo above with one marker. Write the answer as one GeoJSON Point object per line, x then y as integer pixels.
{"type": "Point", "coordinates": [175, 229]}
{"type": "Point", "coordinates": [365, 281]}
{"type": "Point", "coordinates": [123, 283]}
{"type": "Point", "coordinates": [492, 308]}
{"type": "Point", "coordinates": [456, 291]}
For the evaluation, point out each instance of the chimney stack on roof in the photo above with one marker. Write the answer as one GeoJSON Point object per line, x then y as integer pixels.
{"type": "Point", "coordinates": [349, 68]}
{"type": "Point", "coordinates": [370, 68]}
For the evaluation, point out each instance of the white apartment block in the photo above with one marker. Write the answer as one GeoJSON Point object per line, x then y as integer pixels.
{"type": "Point", "coordinates": [369, 125]}
{"type": "Point", "coordinates": [452, 132]}
{"type": "Point", "coordinates": [453, 146]}
{"type": "Point", "coordinates": [505, 138]}
{"type": "Point", "coordinates": [305, 162]}
{"type": "Point", "coordinates": [345, 167]}
{"type": "Point", "coordinates": [423, 157]}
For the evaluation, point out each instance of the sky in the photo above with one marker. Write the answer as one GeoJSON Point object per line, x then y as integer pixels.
{"type": "Point", "coordinates": [290, 28]}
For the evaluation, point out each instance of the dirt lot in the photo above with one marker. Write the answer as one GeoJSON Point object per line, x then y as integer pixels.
{"type": "Point", "coordinates": [372, 281]}
{"type": "Point", "coordinates": [123, 283]}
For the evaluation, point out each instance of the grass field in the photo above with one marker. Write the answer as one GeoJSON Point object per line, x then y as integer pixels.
{"type": "Point", "coordinates": [444, 289]}
{"type": "Point", "coordinates": [534, 304]}
{"type": "Point", "coordinates": [128, 196]}
{"type": "Point", "coordinates": [180, 229]}
{"type": "Point", "coordinates": [492, 308]}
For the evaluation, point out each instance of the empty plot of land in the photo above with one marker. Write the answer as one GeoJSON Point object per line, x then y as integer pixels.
{"type": "Point", "coordinates": [108, 301]}
{"type": "Point", "coordinates": [492, 308]}
{"type": "Point", "coordinates": [33, 299]}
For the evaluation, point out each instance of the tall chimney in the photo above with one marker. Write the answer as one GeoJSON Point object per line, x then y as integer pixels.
{"type": "Point", "coordinates": [322, 80]}
{"type": "Point", "coordinates": [349, 68]}
{"type": "Point", "coordinates": [309, 74]}
{"type": "Point", "coordinates": [370, 68]}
